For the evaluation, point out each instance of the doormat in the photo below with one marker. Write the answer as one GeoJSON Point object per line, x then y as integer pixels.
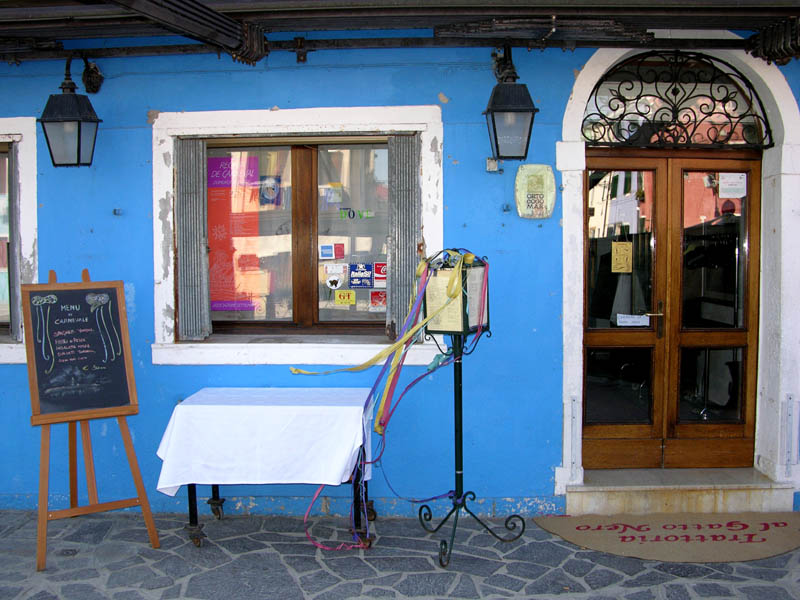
{"type": "Point", "coordinates": [681, 537]}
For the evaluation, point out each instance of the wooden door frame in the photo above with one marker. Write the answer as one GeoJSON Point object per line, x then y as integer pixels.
{"type": "Point", "coordinates": [605, 446]}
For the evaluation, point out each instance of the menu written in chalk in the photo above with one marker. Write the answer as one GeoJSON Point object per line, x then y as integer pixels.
{"type": "Point", "coordinates": [78, 349]}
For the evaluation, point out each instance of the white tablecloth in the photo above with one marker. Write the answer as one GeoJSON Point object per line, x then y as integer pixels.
{"type": "Point", "coordinates": [263, 435]}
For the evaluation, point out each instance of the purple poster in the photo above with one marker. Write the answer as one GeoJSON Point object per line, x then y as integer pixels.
{"type": "Point", "coordinates": [221, 168]}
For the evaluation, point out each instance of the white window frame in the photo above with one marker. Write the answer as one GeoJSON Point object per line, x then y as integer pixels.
{"type": "Point", "coordinates": [21, 132]}
{"type": "Point", "coordinates": [168, 126]}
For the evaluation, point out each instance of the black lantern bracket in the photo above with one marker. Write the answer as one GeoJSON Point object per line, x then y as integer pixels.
{"type": "Point", "coordinates": [69, 121]}
{"type": "Point", "coordinates": [509, 113]}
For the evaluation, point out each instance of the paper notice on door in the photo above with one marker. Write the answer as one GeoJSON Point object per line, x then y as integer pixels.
{"type": "Point", "coordinates": [621, 257]}
{"type": "Point", "coordinates": [732, 185]}
{"type": "Point", "coordinates": [632, 320]}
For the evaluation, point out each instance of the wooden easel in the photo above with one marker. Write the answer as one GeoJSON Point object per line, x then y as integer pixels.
{"type": "Point", "coordinates": [83, 416]}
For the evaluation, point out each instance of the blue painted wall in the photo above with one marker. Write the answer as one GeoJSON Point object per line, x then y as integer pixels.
{"type": "Point", "coordinates": [512, 383]}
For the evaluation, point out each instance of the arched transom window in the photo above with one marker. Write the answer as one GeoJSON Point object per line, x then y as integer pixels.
{"type": "Point", "coordinates": [675, 100]}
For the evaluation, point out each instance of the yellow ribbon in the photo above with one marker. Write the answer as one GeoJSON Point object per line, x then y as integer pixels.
{"type": "Point", "coordinates": [453, 290]}
{"type": "Point", "coordinates": [453, 287]}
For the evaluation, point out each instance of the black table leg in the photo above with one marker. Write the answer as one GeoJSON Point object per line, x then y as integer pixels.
{"type": "Point", "coordinates": [193, 527]}
{"type": "Point", "coordinates": [215, 502]}
{"type": "Point", "coordinates": [360, 502]}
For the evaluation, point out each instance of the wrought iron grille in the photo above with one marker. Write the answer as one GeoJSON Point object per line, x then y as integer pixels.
{"type": "Point", "coordinates": [675, 100]}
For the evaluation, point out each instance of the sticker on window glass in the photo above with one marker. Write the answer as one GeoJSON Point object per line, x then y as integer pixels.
{"type": "Point", "coordinates": [632, 320]}
{"type": "Point", "coordinates": [338, 251]}
{"type": "Point", "coordinates": [380, 274]}
{"type": "Point", "coordinates": [270, 191]}
{"type": "Point", "coordinates": [377, 301]}
{"type": "Point", "coordinates": [621, 257]}
{"type": "Point", "coordinates": [362, 275]}
{"type": "Point", "coordinates": [335, 268]}
{"type": "Point", "coordinates": [732, 185]}
{"type": "Point", "coordinates": [334, 282]}
{"type": "Point", "coordinates": [326, 251]}
{"type": "Point", "coordinates": [344, 297]}
{"type": "Point", "coordinates": [353, 214]}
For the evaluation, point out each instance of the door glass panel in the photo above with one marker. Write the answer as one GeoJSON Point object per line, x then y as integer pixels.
{"type": "Point", "coordinates": [711, 385]}
{"type": "Point", "coordinates": [714, 245]}
{"type": "Point", "coordinates": [250, 233]}
{"type": "Point", "coordinates": [620, 252]}
{"type": "Point", "coordinates": [618, 384]}
{"type": "Point", "coordinates": [352, 230]}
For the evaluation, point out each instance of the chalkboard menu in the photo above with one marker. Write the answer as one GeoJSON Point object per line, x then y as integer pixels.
{"type": "Point", "coordinates": [79, 359]}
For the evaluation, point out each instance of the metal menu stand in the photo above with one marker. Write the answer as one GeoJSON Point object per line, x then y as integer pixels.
{"type": "Point", "coordinates": [459, 328]}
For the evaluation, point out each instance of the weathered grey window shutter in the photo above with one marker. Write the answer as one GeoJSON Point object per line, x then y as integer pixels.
{"type": "Point", "coordinates": [191, 224]}
{"type": "Point", "coordinates": [15, 247]}
{"type": "Point", "coordinates": [405, 227]}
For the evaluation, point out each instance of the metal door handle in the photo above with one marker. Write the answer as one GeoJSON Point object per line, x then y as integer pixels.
{"type": "Point", "coordinates": [659, 319]}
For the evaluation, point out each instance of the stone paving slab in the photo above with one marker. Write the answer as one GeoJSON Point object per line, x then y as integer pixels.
{"type": "Point", "coordinates": [108, 556]}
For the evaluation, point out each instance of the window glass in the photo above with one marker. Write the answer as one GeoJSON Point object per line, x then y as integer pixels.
{"type": "Point", "coordinates": [5, 313]}
{"type": "Point", "coordinates": [618, 386]}
{"type": "Point", "coordinates": [621, 254]}
{"type": "Point", "coordinates": [714, 248]}
{"type": "Point", "coordinates": [300, 247]}
{"type": "Point", "coordinates": [250, 233]}
{"type": "Point", "coordinates": [711, 385]}
{"type": "Point", "coordinates": [352, 227]}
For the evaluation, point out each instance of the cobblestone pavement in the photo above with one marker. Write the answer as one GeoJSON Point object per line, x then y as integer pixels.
{"type": "Point", "coordinates": [262, 557]}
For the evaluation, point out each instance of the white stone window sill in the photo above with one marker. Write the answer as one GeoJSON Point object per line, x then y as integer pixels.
{"type": "Point", "coordinates": [11, 352]}
{"type": "Point", "coordinates": [258, 350]}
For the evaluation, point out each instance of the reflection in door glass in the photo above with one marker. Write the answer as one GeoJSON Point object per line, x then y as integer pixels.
{"type": "Point", "coordinates": [714, 244]}
{"type": "Point", "coordinates": [711, 385]}
{"type": "Point", "coordinates": [620, 260]}
{"type": "Point", "coordinates": [617, 385]}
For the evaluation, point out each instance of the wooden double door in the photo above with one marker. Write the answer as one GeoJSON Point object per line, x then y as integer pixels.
{"type": "Point", "coordinates": [671, 310]}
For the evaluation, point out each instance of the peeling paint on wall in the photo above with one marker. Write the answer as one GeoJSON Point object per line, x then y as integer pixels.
{"type": "Point", "coordinates": [27, 266]}
{"type": "Point", "coordinates": [152, 115]}
{"type": "Point", "coordinates": [436, 149]}
{"type": "Point", "coordinates": [164, 213]}
{"type": "Point", "coordinates": [169, 318]}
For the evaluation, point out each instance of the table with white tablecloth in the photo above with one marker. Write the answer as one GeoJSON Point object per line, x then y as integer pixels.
{"type": "Point", "coordinates": [229, 435]}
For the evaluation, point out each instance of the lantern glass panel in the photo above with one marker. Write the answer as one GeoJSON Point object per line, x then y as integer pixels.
{"type": "Point", "coordinates": [88, 136]}
{"type": "Point", "coordinates": [62, 141]}
{"type": "Point", "coordinates": [512, 130]}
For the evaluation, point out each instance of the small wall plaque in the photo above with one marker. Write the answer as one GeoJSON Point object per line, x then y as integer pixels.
{"type": "Point", "coordinates": [535, 191]}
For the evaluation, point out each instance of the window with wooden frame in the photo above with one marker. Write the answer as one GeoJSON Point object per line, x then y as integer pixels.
{"type": "Point", "coordinates": [295, 235]}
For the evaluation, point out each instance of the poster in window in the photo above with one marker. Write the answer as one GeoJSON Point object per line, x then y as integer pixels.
{"type": "Point", "coordinates": [270, 191]}
{"type": "Point", "coordinates": [233, 193]}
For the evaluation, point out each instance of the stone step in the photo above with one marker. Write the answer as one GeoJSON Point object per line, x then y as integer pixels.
{"type": "Point", "coordinates": [641, 491]}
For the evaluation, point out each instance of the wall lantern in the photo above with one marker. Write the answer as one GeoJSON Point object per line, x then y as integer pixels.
{"type": "Point", "coordinates": [70, 125]}
{"type": "Point", "coordinates": [510, 111]}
